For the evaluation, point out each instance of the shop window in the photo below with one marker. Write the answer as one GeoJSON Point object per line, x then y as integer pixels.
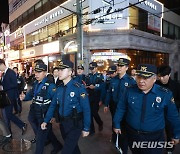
{"type": "Point", "coordinates": [171, 31]}
{"type": "Point", "coordinates": [177, 32]}
{"type": "Point", "coordinates": [25, 18]}
{"type": "Point", "coordinates": [133, 17]}
{"type": "Point", "coordinates": [29, 40]}
{"type": "Point", "coordinates": [38, 9]}
{"type": "Point", "coordinates": [43, 34]}
{"type": "Point", "coordinates": [165, 28]}
{"type": "Point", "coordinates": [19, 21]}
{"type": "Point", "coordinates": [31, 14]}
{"type": "Point", "coordinates": [52, 30]}
{"type": "Point", "coordinates": [143, 20]}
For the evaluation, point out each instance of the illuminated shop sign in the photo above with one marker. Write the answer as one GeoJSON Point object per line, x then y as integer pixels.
{"type": "Point", "coordinates": [12, 55]}
{"type": "Point", "coordinates": [27, 53]}
{"type": "Point", "coordinates": [49, 17]}
{"type": "Point", "coordinates": [151, 6]}
{"type": "Point", "coordinates": [103, 18]}
{"type": "Point", "coordinates": [114, 56]}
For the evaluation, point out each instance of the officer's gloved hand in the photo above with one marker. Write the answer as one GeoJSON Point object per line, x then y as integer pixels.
{"type": "Point", "coordinates": [117, 131]}
{"type": "Point", "coordinates": [84, 133]}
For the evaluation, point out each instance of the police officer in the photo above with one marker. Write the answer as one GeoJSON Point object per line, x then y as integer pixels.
{"type": "Point", "coordinates": [74, 109]}
{"type": "Point", "coordinates": [80, 77]}
{"type": "Point", "coordinates": [164, 73]}
{"type": "Point", "coordinates": [94, 85]}
{"type": "Point", "coordinates": [144, 108]}
{"type": "Point", "coordinates": [116, 89]}
{"type": "Point", "coordinates": [21, 85]}
{"type": "Point", "coordinates": [42, 92]}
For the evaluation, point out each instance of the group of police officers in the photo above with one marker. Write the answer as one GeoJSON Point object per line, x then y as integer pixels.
{"type": "Point", "coordinates": [140, 108]}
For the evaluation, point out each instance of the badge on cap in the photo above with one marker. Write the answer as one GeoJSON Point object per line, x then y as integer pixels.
{"type": "Point", "coordinates": [126, 84]}
{"type": "Point", "coordinates": [158, 99]}
{"type": "Point", "coordinates": [83, 95]}
{"type": "Point", "coordinates": [143, 68]}
{"type": "Point", "coordinates": [72, 94]}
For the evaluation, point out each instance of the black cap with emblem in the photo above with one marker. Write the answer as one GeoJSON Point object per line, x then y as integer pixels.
{"type": "Point", "coordinates": [111, 69]}
{"type": "Point", "coordinates": [40, 67]}
{"type": "Point", "coordinates": [80, 67]}
{"type": "Point", "coordinates": [65, 64]}
{"type": "Point", "coordinates": [146, 70]}
{"type": "Point", "coordinates": [123, 61]}
{"type": "Point", "coordinates": [92, 65]}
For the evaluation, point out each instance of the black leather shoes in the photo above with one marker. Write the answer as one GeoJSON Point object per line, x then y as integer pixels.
{"type": "Point", "coordinates": [5, 140]}
{"type": "Point", "coordinates": [24, 129]}
{"type": "Point", "coordinates": [56, 150]}
{"type": "Point", "coordinates": [101, 127]}
{"type": "Point", "coordinates": [33, 140]}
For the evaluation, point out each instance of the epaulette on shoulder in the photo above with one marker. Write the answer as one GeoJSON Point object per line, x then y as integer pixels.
{"type": "Point", "coordinates": [164, 89]}
{"type": "Point", "coordinates": [77, 84]}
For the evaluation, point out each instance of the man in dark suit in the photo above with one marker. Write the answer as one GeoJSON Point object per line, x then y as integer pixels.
{"type": "Point", "coordinates": [9, 85]}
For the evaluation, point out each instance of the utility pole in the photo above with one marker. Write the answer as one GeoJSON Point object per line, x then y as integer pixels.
{"type": "Point", "coordinates": [79, 32]}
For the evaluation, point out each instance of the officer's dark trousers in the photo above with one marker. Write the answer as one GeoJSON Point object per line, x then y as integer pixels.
{"type": "Point", "coordinates": [71, 133]}
{"type": "Point", "coordinates": [41, 135]}
{"type": "Point", "coordinates": [112, 108]}
{"type": "Point", "coordinates": [149, 137]}
{"type": "Point", "coordinates": [169, 135]}
{"type": "Point", "coordinates": [94, 114]}
{"type": "Point", "coordinates": [9, 116]}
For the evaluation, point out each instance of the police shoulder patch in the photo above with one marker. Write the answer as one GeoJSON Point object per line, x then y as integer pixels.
{"type": "Point", "coordinates": [83, 95]}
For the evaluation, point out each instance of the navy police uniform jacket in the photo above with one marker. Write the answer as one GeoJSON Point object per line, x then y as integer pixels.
{"type": "Point", "coordinates": [117, 87]}
{"type": "Point", "coordinates": [80, 78]}
{"type": "Point", "coordinates": [96, 80]}
{"type": "Point", "coordinates": [145, 112]}
{"type": "Point", "coordinates": [72, 95]}
{"type": "Point", "coordinates": [36, 91]}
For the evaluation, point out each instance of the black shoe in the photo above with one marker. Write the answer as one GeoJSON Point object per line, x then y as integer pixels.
{"type": "Point", "coordinates": [56, 150]}
{"type": "Point", "coordinates": [24, 129]}
{"type": "Point", "coordinates": [101, 127]}
{"type": "Point", "coordinates": [5, 140]}
{"type": "Point", "coordinates": [16, 112]}
{"type": "Point", "coordinates": [33, 140]}
{"type": "Point", "coordinates": [47, 142]}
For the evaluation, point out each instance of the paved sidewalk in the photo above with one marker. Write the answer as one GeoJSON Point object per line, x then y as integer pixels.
{"type": "Point", "coordinates": [96, 144]}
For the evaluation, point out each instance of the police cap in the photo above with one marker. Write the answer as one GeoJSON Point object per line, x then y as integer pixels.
{"type": "Point", "coordinates": [111, 69]}
{"type": "Point", "coordinates": [80, 67]}
{"type": "Point", "coordinates": [40, 67]}
{"type": "Point", "coordinates": [146, 70]}
{"type": "Point", "coordinates": [123, 61]}
{"type": "Point", "coordinates": [92, 65]}
{"type": "Point", "coordinates": [65, 64]}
